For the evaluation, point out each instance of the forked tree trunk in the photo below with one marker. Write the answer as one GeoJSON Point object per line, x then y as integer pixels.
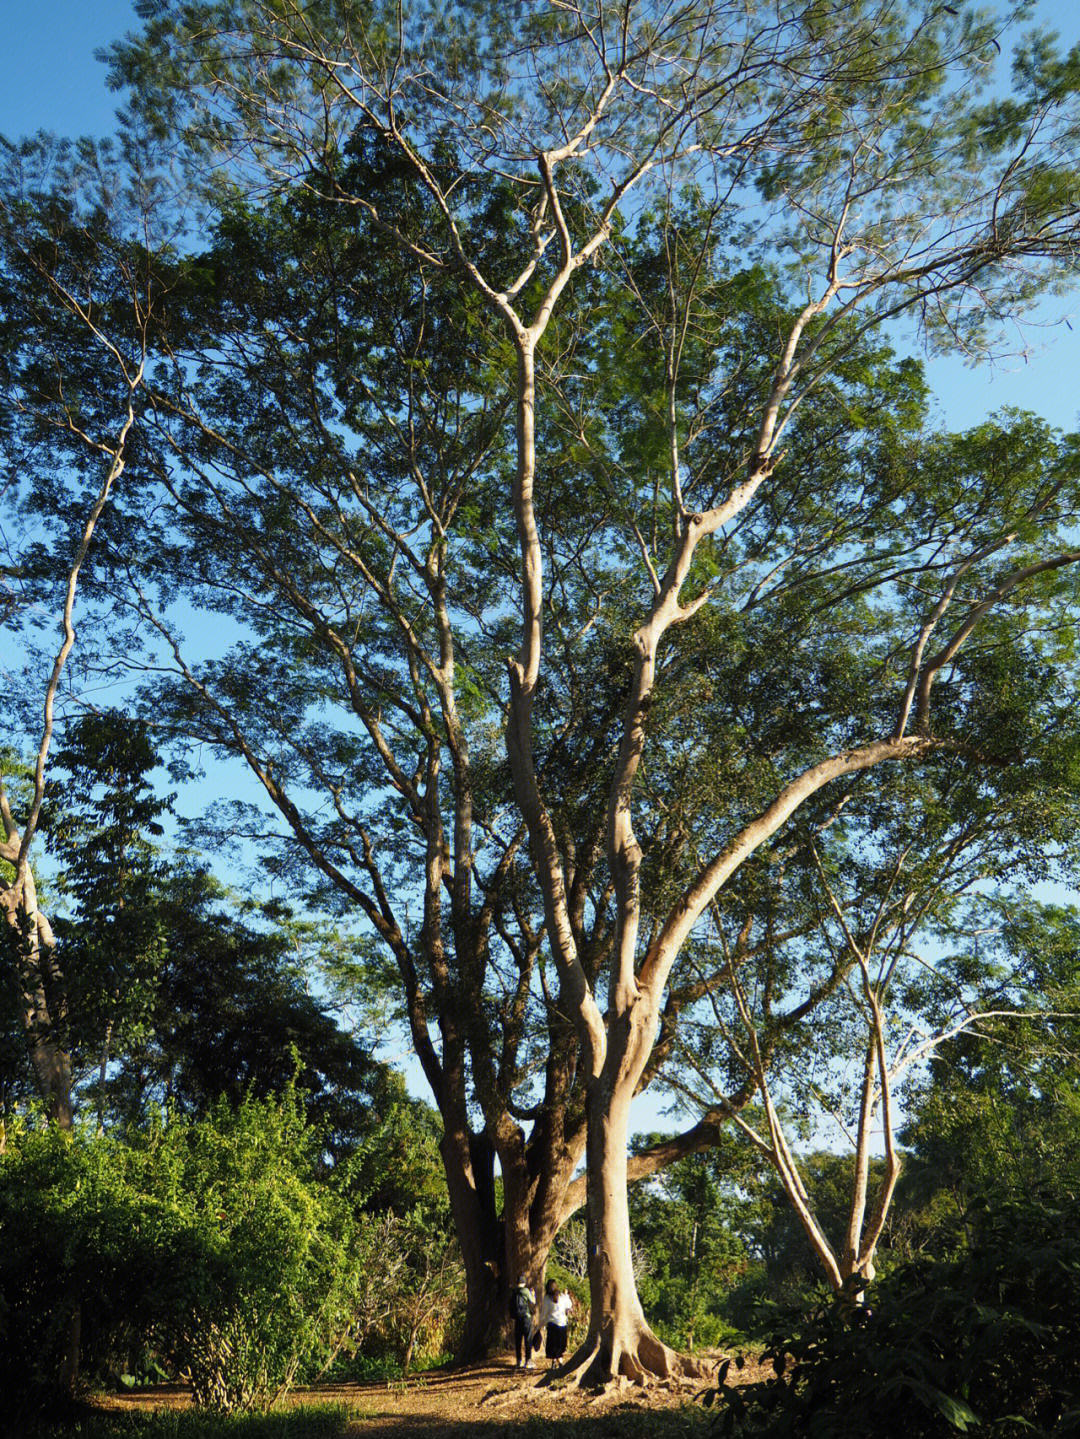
{"type": "Point", "coordinates": [468, 1163]}
{"type": "Point", "coordinates": [496, 1250]}
{"type": "Point", "coordinates": [482, 1332]}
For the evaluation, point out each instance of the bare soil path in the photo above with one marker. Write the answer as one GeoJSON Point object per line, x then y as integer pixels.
{"type": "Point", "coordinates": [488, 1401]}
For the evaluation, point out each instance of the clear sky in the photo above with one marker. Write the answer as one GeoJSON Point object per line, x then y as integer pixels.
{"type": "Point", "coordinates": [49, 79]}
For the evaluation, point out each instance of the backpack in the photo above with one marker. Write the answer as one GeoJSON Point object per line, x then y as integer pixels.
{"type": "Point", "coordinates": [520, 1304]}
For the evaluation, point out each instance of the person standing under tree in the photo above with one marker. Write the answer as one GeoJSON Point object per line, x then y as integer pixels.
{"type": "Point", "coordinates": [554, 1318]}
{"type": "Point", "coordinates": [522, 1302]}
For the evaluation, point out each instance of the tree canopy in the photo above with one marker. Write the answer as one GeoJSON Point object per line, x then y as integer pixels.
{"type": "Point", "coordinates": [588, 582]}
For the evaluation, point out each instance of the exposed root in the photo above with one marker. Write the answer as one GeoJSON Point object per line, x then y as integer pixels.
{"type": "Point", "coordinates": [668, 1364]}
{"type": "Point", "coordinates": [575, 1372]}
{"type": "Point", "coordinates": [639, 1361]}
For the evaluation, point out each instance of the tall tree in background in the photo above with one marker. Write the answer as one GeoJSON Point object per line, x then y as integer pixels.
{"type": "Point", "coordinates": [232, 1014]}
{"type": "Point", "coordinates": [101, 827]}
{"type": "Point", "coordinates": [177, 994]}
{"type": "Point", "coordinates": [995, 1116]}
{"type": "Point", "coordinates": [76, 306]}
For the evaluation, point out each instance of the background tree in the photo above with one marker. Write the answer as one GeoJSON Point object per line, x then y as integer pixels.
{"type": "Point", "coordinates": [102, 833]}
{"type": "Point", "coordinates": [994, 1117]}
{"type": "Point", "coordinates": [232, 1013]}
{"type": "Point", "coordinates": [697, 1222]}
{"type": "Point", "coordinates": [76, 309]}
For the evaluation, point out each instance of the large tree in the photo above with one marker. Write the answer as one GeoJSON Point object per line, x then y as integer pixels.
{"type": "Point", "coordinates": [426, 256]}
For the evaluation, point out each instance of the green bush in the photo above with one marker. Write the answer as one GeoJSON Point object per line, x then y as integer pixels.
{"type": "Point", "coordinates": [988, 1339]}
{"type": "Point", "coordinates": [213, 1240]}
{"type": "Point", "coordinates": [81, 1243]}
{"type": "Point", "coordinates": [410, 1291]}
{"type": "Point", "coordinates": [264, 1285]}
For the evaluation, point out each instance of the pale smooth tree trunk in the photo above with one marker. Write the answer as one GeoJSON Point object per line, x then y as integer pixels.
{"type": "Point", "coordinates": [619, 1346]}
{"type": "Point", "coordinates": [41, 988]}
{"type": "Point", "coordinates": [619, 1341]}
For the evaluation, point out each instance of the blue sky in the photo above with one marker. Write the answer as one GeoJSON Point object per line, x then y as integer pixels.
{"type": "Point", "coordinates": [49, 79]}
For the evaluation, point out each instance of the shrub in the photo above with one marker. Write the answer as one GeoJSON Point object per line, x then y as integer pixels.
{"type": "Point", "coordinates": [264, 1283]}
{"type": "Point", "coordinates": [213, 1238]}
{"type": "Point", "coordinates": [989, 1339]}
{"type": "Point", "coordinates": [80, 1242]}
{"type": "Point", "coordinates": [410, 1289]}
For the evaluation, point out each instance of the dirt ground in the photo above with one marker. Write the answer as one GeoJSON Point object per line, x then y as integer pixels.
{"type": "Point", "coordinates": [481, 1402]}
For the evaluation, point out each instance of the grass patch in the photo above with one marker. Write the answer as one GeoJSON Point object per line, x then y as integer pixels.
{"type": "Point", "coordinates": [322, 1421]}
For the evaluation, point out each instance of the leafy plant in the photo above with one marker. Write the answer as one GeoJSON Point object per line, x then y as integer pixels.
{"type": "Point", "coordinates": [985, 1340]}
{"type": "Point", "coordinates": [214, 1237]}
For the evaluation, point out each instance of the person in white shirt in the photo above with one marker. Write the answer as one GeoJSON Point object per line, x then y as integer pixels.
{"type": "Point", "coordinates": [554, 1317]}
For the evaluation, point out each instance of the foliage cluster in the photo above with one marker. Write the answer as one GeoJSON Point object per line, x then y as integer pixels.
{"type": "Point", "coordinates": [986, 1339]}
{"type": "Point", "coordinates": [213, 1243]}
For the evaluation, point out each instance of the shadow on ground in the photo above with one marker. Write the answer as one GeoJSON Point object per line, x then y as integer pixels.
{"type": "Point", "coordinates": [492, 1401]}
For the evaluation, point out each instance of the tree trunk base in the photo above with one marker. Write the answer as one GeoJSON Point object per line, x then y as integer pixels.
{"type": "Point", "coordinates": [635, 1359]}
